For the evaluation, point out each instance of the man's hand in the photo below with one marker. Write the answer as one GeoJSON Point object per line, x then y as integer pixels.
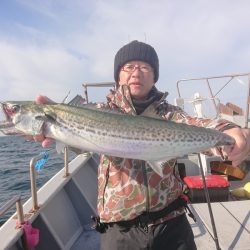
{"type": "Point", "coordinates": [241, 149]}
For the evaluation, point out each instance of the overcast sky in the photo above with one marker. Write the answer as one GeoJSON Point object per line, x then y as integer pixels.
{"type": "Point", "coordinates": [52, 46]}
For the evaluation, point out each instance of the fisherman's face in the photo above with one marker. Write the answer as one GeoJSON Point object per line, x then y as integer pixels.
{"type": "Point", "coordinates": [139, 76]}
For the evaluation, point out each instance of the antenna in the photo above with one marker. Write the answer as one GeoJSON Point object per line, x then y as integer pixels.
{"type": "Point", "coordinates": [66, 97]}
{"type": "Point", "coordinates": [145, 37]}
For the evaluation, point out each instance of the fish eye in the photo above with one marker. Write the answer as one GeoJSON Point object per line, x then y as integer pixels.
{"type": "Point", "coordinates": [15, 108]}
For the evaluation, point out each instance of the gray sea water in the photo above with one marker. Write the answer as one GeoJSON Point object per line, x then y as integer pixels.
{"type": "Point", "coordinates": [15, 155]}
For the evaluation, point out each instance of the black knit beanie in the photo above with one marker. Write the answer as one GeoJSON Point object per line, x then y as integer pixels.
{"type": "Point", "coordinates": [136, 51]}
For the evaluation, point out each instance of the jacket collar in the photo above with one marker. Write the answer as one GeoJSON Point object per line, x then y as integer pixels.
{"type": "Point", "coordinates": [121, 98]}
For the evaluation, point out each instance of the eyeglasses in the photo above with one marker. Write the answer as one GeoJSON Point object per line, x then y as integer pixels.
{"type": "Point", "coordinates": [131, 68]}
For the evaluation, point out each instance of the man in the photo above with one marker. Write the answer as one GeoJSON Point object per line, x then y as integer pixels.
{"type": "Point", "coordinates": [137, 208]}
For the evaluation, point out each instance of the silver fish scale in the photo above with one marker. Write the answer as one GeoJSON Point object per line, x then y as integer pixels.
{"type": "Point", "coordinates": [134, 137]}
{"type": "Point", "coordinates": [120, 135]}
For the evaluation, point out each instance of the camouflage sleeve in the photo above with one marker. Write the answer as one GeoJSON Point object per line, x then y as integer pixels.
{"type": "Point", "coordinates": [178, 115]}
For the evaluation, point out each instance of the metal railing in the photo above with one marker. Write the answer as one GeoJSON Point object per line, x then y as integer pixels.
{"type": "Point", "coordinates": [19, 208]}
{"type": "Point", "coordinates": [20, 215]}
{"type": "Point", "coordinates": [66, 162]}
{"type": "Point", "coordinates": [213, 96]}
{"type": "Point", "coordinates": [17, 199]}
{"type": "Point", "coordinates": [97, 85]}
{"type": "Point", "coordinates": [33, 188]}
{"type": "Point", "coordinates": [33, 162]}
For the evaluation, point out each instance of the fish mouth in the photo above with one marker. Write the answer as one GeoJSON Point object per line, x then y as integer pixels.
{"type": "Point", "coordinates": [6, 126]}
{"type": "Point", "coordinates": [4, 108]}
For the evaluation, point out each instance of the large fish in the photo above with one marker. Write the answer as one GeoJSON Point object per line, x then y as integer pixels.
{"type": "Point", "coordinates": [100, 131]}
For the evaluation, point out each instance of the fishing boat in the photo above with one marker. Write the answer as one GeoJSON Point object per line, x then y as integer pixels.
{"type": "Point", "coordinates": [58, 215]}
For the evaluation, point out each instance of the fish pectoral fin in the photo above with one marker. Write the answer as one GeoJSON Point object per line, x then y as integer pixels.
{"type": "Point", "coordinates": [157, 166]}
{"type": "Point", "coordinates": [37, 124]}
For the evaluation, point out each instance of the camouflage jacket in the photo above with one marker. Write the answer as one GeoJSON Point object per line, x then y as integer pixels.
{"type": "Point", "coordinates": [127, 187]}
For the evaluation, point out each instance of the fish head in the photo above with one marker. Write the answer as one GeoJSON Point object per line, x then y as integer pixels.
{"type": "Point", "coordinates": [20, 118]}
{"type": "Point", "coordinates": [7, 126]}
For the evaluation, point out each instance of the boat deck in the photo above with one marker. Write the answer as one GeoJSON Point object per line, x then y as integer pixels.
{"type": "Point", "coordinates": [66, 205]}
{"type": "Point", "coordinates": [232, 220]}
{"type": "Point", "coordinates": [88, 240]}
{"type": "Point", "coordinates": [232, 224]}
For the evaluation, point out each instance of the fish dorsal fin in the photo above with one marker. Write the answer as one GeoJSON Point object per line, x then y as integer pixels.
{"type": "Point", "coordinates": [104, 108]}
{"type": "Point", "coordinates": [79, 101]}
{"type": "Point", "coordinates": [150, 111]}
